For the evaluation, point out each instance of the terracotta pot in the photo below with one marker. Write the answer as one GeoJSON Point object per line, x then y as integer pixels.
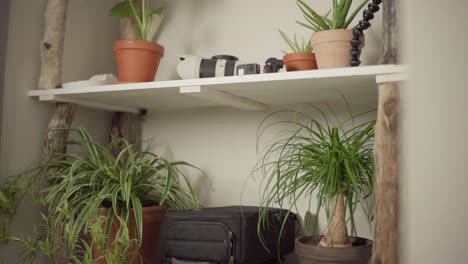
{"type": "Point", "coordinates": [152, 221]}
{"type": "Point", "coordinates": [137, 60]}
{"type": "Point", "coordinates": [301, 61]}
{"type": "Point", "coordinates": [332, 48]}
{"type": "Point", "coordinates": [309, 253]}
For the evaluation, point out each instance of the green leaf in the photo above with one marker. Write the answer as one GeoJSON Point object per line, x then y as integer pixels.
{"type": "Point", "coordinates": [353, 15]}
{"type": "Point", "coordinates": [308, 223]}
{"type": "Point", "coordinates": [158, 11]}
{"type": "Point", "coordinates": [122, 9]}
{"type": "Point", "coordinates": [309, 12]}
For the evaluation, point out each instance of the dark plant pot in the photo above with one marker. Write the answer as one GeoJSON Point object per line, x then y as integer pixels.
{"type": "Point", "coordinates": [152, 221]}
{"type": "Point", "coordinates": [302, 61]}
{"type": "Point", "coordinates": [137, 60]}
{"type": "Point", "coordinates": [309, 253]}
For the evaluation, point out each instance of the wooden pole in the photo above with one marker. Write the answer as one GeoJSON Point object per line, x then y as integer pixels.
{"type": "Point", "coordinates": [387, 148]}
{"type": "Point", "coordinates": [51, 49]}
{"type": "Point", "coordinates": [125, 125]}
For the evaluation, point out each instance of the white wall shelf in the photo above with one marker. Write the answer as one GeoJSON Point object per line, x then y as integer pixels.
{"type": "Point", "coordinates": [252, 92]}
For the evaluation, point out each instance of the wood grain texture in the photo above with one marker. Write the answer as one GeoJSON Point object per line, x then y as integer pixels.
{"type": "Point", "coordinates": [391, 37]}
{"type": "Point", "coordinates": [51, 50]}
{"type": "Point", "coordinates": [387, 147]}
{"type": "Point", "coordinates": [51, 46]}
{"type": "Point", "coordinates": [387, 157]}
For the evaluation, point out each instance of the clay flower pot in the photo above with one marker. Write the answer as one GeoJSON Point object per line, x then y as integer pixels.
{"type": "Point", "coordinates": [152, 221]}
{"type": "Point", "coordinates": [301, 61]}
{"type": "Point", "coordinates": [332, 48]}
{"type": "Point", "coordinates": [309, 253]}
{"type": "Point", "coordinates": [137, 60]}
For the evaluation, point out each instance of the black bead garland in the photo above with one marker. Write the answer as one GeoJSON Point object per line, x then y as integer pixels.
{"type": "Point", "coordinates": [358, 31]}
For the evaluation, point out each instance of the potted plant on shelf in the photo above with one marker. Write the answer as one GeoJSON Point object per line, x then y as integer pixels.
{"type": "Point", "coordinates": [334, 164]}
{"type": "Point", "coordinates": [331, 39]}
{"type": "Point", "coordinates": [108, 209]}
{"type": "Point", "coordinates": [138, 60]}
{"type": "Point", "coordinates": [301, 58]}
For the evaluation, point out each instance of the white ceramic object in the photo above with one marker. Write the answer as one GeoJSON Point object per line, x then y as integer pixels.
{"type": "Point", "coordinates": [96, 80]}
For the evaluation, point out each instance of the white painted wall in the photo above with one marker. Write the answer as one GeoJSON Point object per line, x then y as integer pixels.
{"type": "Point", "coordinates": [89, 38]}
{"type": "Point", "coordinates": [435, 178]}
{"type": "Point", "coordinates": [222, 141]}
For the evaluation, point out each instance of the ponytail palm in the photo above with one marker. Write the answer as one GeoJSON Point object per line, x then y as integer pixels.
{"type": "Point", "coordinates": [333, 164]}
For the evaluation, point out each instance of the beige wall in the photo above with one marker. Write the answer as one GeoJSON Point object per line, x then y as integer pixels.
{"type": "Point", "coordinates": [222, 141]}
{"type": "Point", "coordinates": [435, 177]}
{"type": "Point", "coordinates": [89, 38]}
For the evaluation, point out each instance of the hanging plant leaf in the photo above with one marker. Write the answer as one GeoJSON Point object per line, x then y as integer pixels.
{"type": "Point", "coordinates": [308, 223]}
{"type": "Point", "coordinates": [157, 11]}
{"type": "Point", "coordinates": [122, 9]}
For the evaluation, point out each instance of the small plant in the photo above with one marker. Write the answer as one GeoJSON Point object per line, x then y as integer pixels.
{"type": "Point", "coordinates": [294, 45]}
{"type": "Point", "coordinates": [144, 16]}
{"type": "Point", "coordinates": [333, 163]}
{"type": "Point", "coordinates": [82, 185]}
{"type": "Point", "coordinates": [339, 19]}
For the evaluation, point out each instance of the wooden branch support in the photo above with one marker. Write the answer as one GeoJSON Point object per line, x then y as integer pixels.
{"type": "Point", "coordinates": [387, 146]}
{"type": "Point", "coordinates": [387, 157]}
{"type": "Point", "coordinates": [51, 48]}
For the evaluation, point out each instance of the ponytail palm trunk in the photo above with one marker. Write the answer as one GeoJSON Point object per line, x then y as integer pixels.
{"type": "Point", "coordinates": [337, 232]}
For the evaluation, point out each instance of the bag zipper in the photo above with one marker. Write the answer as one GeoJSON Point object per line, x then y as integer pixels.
{"type": "Point", "coordinates": [231, 246]}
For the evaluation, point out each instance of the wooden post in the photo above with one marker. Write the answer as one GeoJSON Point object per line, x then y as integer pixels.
{"type": "Point", "coordinates": [51, 49]}
{"type": "Point", "coordinates": [125, 125]}
{"type": "Point", "coordinates": [387, 148]}
{"type": "Point", "coordinates": [51, 74]}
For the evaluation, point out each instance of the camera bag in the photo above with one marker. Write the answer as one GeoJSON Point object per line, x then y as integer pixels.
{"type": "Point", "coordinates": [226, 235]}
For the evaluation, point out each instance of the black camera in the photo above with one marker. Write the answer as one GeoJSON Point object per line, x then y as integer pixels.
{"type": "Point", "coordinates": [247, 69]}
{"type": "Point", "coordinates": [273, 65]}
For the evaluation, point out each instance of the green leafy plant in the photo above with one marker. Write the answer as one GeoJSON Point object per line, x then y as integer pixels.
{"type": "Point", "coordinates": [143, 16]}
{"type": "Point", "coordinates": [80, 185]}
{"type": "Point", "coordinates": [341, 19]}
{"type": "Point", "coordinates": [334, 164]}
{"type": "Point", "coordinates": [294, 45]}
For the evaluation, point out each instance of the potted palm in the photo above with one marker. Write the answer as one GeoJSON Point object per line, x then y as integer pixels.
{"type": "Point", "coordinates": [138, 60]}
{"type": "Point", "coordinates": [334, 164]}
{"type": "Point", "coordinates": [331, 39]}
{"type": "Point", "coordinates": [107, 209]}
{"type": "Point", "coordinates": [301, 57]}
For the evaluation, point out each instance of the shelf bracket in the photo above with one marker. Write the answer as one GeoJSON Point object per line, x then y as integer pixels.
{"type": "Point", "coordinates": [88, 104]}
{"type": "Point", "coordinates": [223, 98]}
{"type": "Point", "coordinates": [396, 77]}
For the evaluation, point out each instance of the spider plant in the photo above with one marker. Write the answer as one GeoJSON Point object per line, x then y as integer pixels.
{"type": "Point", "coordinates": [340, 19]}
{"type": "Point", "coordinates": [82, 184]}
{"type": "Point", "coordinates": [144, 17]}
{"type": "Point", "coordinates": [294, 44]}
{"type": "Point", "coordinates": [12, 192]}
{"type": "Point", "coordinates": [334, 164]}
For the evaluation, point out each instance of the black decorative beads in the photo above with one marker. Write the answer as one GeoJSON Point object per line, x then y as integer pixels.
{"type": "Point", "coordinates": [373, 8]}
{"type": "Point", "coordinates": [358, 31]}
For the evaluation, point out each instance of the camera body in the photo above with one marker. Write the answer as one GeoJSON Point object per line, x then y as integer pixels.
{"type": "Point", "coordinates": [193, 67]}
{"type": "Point", "coordinates": [273, 65]}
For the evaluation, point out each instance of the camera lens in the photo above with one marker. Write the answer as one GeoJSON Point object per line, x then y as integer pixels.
{"type": "Point", "coordinates": [250, 68]}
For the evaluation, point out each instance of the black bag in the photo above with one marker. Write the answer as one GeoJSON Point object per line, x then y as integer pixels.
{"type": "Point", "coordinates": [226, 235]}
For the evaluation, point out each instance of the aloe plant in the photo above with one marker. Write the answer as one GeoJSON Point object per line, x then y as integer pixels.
{"type": "Point", "coordinates": [334, 164]}
{"type": "Point", "coordinates": [81, 184]}
{"type": "Point", "coordinates": [340, 19]}
{"type": "Point", "coordinates": [304, 46]}
{"type": "Point", "coordinates": [142, 14]}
